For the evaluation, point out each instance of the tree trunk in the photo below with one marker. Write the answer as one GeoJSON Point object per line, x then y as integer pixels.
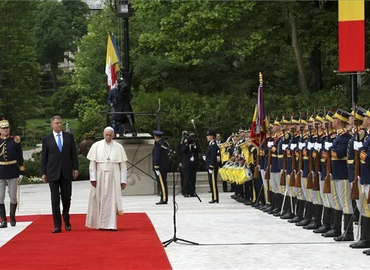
{"type": "Point", "coordinates": [54, 71]}
{"type": "Point", "coordinates": [298, 54]}
{"type": "Point", "coordinates": [316, 82]}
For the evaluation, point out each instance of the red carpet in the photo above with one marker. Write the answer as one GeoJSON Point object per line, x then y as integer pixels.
{"type": "Point", "coordinates": [134, 246]}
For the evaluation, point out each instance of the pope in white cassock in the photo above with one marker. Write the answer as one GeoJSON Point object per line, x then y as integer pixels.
{"type": "Point", "coordinates": [108, 175]}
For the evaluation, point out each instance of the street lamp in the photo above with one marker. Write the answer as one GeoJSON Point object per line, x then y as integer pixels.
{"type": "Point", "coordinates": [124, 10]}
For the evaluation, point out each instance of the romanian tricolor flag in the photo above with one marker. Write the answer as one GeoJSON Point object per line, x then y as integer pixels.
{"type": "Point", "coordinates": [260, 121]}
{"type": "Point", "coordinates": [351, 35]}
{"type": "Point", "coordinates": [112, 61]}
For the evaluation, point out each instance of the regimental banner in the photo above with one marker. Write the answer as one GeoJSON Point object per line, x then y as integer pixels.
{"type": "Point", "coordinates": [351, 35]}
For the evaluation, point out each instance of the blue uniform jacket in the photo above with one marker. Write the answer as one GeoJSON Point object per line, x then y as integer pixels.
{"type": "Point", "coordinates": [339, 155]}
{"type": "Point", "coordinates": [365, 161]}
{"type": "Point", "coordinates": [11, 158]}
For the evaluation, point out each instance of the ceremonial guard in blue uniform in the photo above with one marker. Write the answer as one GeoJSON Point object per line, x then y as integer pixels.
{"type": "Point", "coordinates": [364, 186]}
{"type": "Point", "coordinates": [288, 130]}
{"type": "Point", "coordinates": [340, 186]}
{"type": "Point", "coordinates": [11, 171]}
{"type": "Point", "coordinates": [160, 154]}
{"type": "Point", "coordinates": [296, 146]}
{"type": "Point", "coordinates": [212, 164]}
{"type": "Point", "coordinates": [277, 192]}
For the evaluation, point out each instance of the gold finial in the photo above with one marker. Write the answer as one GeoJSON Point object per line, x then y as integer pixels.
{"type": "Point", "coordinates": [260, 78]}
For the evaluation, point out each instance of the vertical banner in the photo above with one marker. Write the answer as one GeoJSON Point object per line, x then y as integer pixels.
{"type": "Point", "coordinates": [351, 35]}
{"type": "Point", "coordinates": [112, 61]}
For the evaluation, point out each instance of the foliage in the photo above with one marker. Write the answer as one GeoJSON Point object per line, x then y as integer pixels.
{"type": "Point", "coordinates": [91, 118]}
{"type": "Point", "coordinates": [59, 25]}
{"type": "Point", "coordinates": [33, 168]}
{"type": "Point", "coordinates": [19, 70]}
{"type": "Point", "coordinates": [83, 168]}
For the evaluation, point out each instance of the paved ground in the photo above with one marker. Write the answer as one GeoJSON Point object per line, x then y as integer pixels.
{"type": "Point", "coordinates": [230, 235]}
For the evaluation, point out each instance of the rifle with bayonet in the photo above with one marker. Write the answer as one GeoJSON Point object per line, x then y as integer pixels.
{"type": "Point", "coordinates": [327, 188]}
{"type": "Point", "coordinates": [292, 174]}
{"type": "Point", "coordinates": [298, 179]}
{"type": "Point", "coordinates": [316, 180]}
{"type": "Point", "coordinates": [355, 194]}
{"type": "Point", "coordinates": [310, 161]}
{"type": "Point", "coordinates": [283, 173]}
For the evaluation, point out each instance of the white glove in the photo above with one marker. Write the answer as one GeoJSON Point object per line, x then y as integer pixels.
{"type": "Point", "coordinates": [357, 145]}
{"type": "Point", "coordinates": [284, 146]}
{"type": "Point", "coordinates": [270, 144]}
{"type": "Point", "coordinates": [204, 158]}
{"type": "Point", "coordinates": [293, 146]}
{"type": "Point", "coordinates": [20, 178]}
{"type": "Point", "coordinates": [317, 146]}
{"type": "Point", "coordinates": [310, 145]}
{"type": "Point", "coordinates": [192, 158]}
{"type": "Point", "coordinates": [301, 145]}
{"type": "Point", "coordinates": [328, 145]}
{"type": "Point", "coordinates": [157, 172]}
{"type": "Point", "coordinates": [210, 171]}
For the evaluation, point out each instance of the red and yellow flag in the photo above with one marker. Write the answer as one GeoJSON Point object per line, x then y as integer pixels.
{"type": "Point", "coordinates": [351, 35]}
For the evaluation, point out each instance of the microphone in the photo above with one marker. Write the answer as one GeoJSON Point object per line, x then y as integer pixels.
{"type": "Point", "coordinates": [169, 149]}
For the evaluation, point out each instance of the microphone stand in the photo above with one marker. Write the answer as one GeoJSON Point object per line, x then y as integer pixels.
{"type": "Point", "coordinates": [175, 238]}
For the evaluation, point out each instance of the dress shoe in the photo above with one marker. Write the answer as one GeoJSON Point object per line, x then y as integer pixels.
{"type": "Point", "coordinates": [367, 252]}
{"type": "Point", "coordinates": [344, 237]}
{"type": "Point", "coordinates": [288, 216]}
{"type": "Point", "coordinates": [296, 219]}
{"type": "Point", "coordinates": [213, 201]}
{"type": "Point", "coordinates": [68, 226]}
{"type": "Point", "coordinates": [312, 226]}
{"type": "Point", "coordinates": [303, 222]}
{"type": "Point", "coordinates": [57, 230]}
{"type": "Point", "coordinates": [361, 244]}
{"type": "Point", "coordinates": [331, 233]}
{"type": "Point", "coordinates": [322, 229]}
{"type": "Point", "coordinates": [161, 202]}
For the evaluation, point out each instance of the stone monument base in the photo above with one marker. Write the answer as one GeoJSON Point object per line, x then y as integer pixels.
{"type": "Point", "coordinates": [141, 179]}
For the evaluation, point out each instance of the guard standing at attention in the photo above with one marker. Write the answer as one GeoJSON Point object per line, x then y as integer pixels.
{"type": "Point", "coordinates": [212, 164]}
{"type": "Point", "coordinates": [11, 171]}
{"type": "Point", "coordinates": [160, 154]}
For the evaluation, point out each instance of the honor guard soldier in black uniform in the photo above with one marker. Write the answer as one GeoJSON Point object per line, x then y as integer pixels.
{"type": "Point", "coordinates": [11, 171]}
{"type": "Point", "coordinates": [160, 154]}
{"type": "Point", "coordinates": [212, 164]}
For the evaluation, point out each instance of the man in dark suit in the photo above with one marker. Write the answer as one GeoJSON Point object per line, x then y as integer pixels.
{"type": "Point", "coordinates": [59, 165]}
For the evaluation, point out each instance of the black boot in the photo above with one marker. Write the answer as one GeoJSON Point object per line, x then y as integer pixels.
{"type": "Point", "coordinates": [307, 215]}
{"type": "Point", "coordinates": [336, 227]}
{"type": "Point", "coordinates": [326, 221]}
{"type": "Point", "coordinates": [3, 223]}
{"type": "Point", "coordinates": [299, 213]}
{"type": "Point", "coordinates": [316, 218]}
{"type": "Point", "coordinates": [347, 235]}
{"type": "Point", "coordinates": [13, 207]}
{"type": "Point", "coordinates": [364, 241]}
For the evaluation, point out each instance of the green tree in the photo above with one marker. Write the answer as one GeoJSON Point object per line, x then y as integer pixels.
{"type": "Point", "coordinates": [19, 70]}
{"type": "Point", "coordinates": [59, 26]}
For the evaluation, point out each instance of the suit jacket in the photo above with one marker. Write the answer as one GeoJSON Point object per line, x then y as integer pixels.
{"type": "Point", "coordinates": [54, 163]}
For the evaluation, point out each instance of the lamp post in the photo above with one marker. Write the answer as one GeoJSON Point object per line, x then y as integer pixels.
{"type": "Point", "coordinates": [124, 10]}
